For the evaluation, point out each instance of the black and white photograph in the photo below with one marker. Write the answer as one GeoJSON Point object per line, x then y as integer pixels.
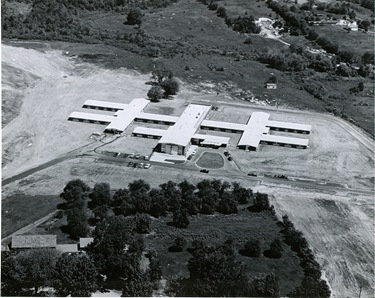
{"type": "Point", "coordinates": [187, 148]}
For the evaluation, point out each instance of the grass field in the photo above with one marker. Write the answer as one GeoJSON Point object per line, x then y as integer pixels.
{"type": "Point", "coordinates": [214, 230]}
{"type": "Point", "coordinates": [345, 40]}
{"type": "Point", "coordinates": [210, 160]}
{"type": "Point", "coordinates": [20, 210]}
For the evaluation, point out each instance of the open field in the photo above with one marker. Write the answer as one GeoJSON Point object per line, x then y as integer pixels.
{"type": "Point", "coordinates": [215, 230]}
{"type": "Point", "coordinates": [15, 210]}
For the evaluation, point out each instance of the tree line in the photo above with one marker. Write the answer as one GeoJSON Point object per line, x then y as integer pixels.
{"type": "Point", "coordinates": [116, 219]}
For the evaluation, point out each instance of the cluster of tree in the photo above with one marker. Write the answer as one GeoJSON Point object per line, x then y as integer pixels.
{"type": "Point", "coordinates": [24, 273]}
{"type": "Point", "coordinates": [75, 196]}
{"type": "Point", "coordinates": [61, 19]}
{"type": "Point", "coordinates": [253, 248]}
{"type": "Point", "coordinates": [117, 252]}
{"type": "Point", "coordinates": [312, 284]}
{"type": "Point", "coordinates": [243, 24]}
{"type": "Point", "coordinates": [182, 200]}
{"type": "Point", "coordinates": [163, 86]}
{"type": "Point", "coordinates": [215, 271]}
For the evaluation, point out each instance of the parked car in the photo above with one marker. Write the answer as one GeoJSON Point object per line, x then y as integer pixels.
{"type": "Point", "coordinates": [146, 157]}
{"type": "Point", "coordinates": [230, 158]}
{"type": "Point", "coordinates": [252, 174]}
{"type": "Point", "coordinates": [226, 153]}
{"type": "Point", "coordinates": [130, 164]}
{"type": "Point", "coordinates": [137, 156]}
{"type": "Point", "coordinates": [131, 155]}
{"type": "Point", "coordinates": [135, 165]}
{"type": "Point", "coordinates": [116, 154]}
{"type": "Point", "coordinates": [147, 165]}
{"type": "Point", "coordinates": [125, 155]}
{"type": "Point", "coordinates": [205, 171]}
{"type": "Point", "coordinates": [140, 165]}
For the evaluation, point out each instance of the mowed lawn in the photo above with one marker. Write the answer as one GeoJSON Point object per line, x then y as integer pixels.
{"type": "Point", "coordinates": [210, 160]}
{"type": "Point", "coordinates": [215, 230]}
{"type": "Point", "coordinates": [19, 210]}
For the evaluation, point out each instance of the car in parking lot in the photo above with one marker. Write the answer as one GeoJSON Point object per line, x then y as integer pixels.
{"type": "Point", "coordinates": [131, 155]}
{"type": "Point", "coordinates": [135, 165]}
{"type": "Point", "coordinates": [130, 164]}
{"type": "Point", "coordinates": [204, 171]}
{"type": "Point", "coordinates": [137, 156]}
{"type": "Point", "coordinates": [147, 165]}
{"type": "Point", "coordinates": [140, 165]}
{"type": "Point", "coordinates": [125, 155]}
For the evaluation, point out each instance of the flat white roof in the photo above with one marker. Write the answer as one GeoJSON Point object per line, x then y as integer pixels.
{"type": "Point", "coordinates": [157, 117]}
{"type": "Point", "coordinates": [187, 124]}
{"type": "Point", "coordinates": [209, 139]}
{"type": "Point", "coordinates": [150, 131]}
{"type": "Point", "coordinates": [105, 104]}
{"type": "Point", "coordinates": [288, 125]}
{"type": "Point", "coordinates": [285, 140]}
{"type": "Point", "coordinates": [67, 247]}
{"type": "Point", "coordinates": [254, 130]}
{"type": "Point", "coordinates": [123, 118]}
{"type": "Point", "coordinates": [83, 242]}
{"type": "Point", "coordinates": [223, 125]}
{"type": "Point", "coordinates": [90, 116]}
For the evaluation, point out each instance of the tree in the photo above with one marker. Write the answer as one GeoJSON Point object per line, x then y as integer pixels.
{"type": "Point", "coordinates": [159, 205]}
{"type": "Point", "coordinates": [77, 223]}
{"type": "Point", "coordinates": [134, 17]}
{"type": "Point", "coordinates": [27, 269]}
{"type": "Point", "coordinates": [137, 285]}
{"type": "Point", "coordinates": [170, 86]}
{"type": "Point", "coordinates": [76, 275]}
{"type": "Point", "coordinates": [214, 271]}
{"type": "Point", "coordinates": [221, 12]}
{"type": "Point", "coordinates": [100, 195]}
{"type": "Point", "coordinates": [178, 245]}
{"type": "Point", "coordinates": [161, 73]}
{"type": "Point", "coordinates": [275, 250]}
{"type": "Point", "coordinates": [227, 205]}
{"type": "Point", "coordinates": [265, 286]}
{"type": "Point", "coordinates": [154, 268]}
{"type": "Point", "coordinates": [142, 223]}
{"type": "Point", "coordinates": [261, 203]}
{"type": "Point", "coordinates": [367, 58]}
{"type": "Point", "coordinates": [75, 193]}
{"type": "Point", "coordinates": [311, 287]}
{"type": "Point", "coordinates": [111, 238]}
{"type": "Point", "coordinates": [155, 93]}
{"type": "Point", "coordinates": [181, 219]}
{"type": "Point", "coordinates": [252, 248]}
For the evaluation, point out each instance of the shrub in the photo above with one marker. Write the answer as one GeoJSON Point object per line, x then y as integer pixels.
{"type": "Point", "coordinates": [275, 250]}
{"type": "Point", "coordinates": [134, 17]}
{"type": "Point", "coordinates": [155, 93]}
{"type": "Point", "coordinates": [178, 245]}
{"type": "Point", "coordinates": [170, 86]}
{"type": "Point", "coordinates": [252, 248]}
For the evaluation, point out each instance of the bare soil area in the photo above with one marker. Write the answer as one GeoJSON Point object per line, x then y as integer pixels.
{"type": "Point", "coordinates": [340, 230]}
{"type": "Point", "coordinates": [333, 154]}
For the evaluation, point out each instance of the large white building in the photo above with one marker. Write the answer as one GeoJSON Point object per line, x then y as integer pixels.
{"type": "Point", "coordinates": [183, 131]}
